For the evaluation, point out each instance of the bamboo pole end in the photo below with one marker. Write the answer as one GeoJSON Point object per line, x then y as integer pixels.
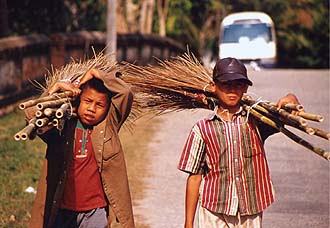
{"type": "Point", "coordinates": [38, 113]}
{"type": "Point", "coordinates": [24, 136]}
{"type": "Point", "coordinates": [303, 122]}
{"type": "Point", "coordinates": [326, 155]}
{"type": "Point", "coordinates": [300, 108]}
{"type": "Point", "coordinates": [40, 106]}
{"type": "Point", "coordinates": [59, 114]}
{"type": "Point", "coordinates": [21, 106]}
{"type": "Point", "coordinates": [310, 131]}
{"type": "Point", "coordinates": [17, 136]}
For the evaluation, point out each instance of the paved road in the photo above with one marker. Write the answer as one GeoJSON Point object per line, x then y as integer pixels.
{"type": "Point", "coordinates": [301, 178]}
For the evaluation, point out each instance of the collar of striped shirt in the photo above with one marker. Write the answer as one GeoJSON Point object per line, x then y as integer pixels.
{"type": "Point", "coordinates": [214, 114]}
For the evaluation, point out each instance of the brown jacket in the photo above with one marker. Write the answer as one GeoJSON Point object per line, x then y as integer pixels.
{"type": "Point", "coordinates": [108, 153]}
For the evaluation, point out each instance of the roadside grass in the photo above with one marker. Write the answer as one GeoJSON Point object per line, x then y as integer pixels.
{"type": "Point", "coordinates": [21, 161]}
{"type": "Point", "coordinates": [20, 164]}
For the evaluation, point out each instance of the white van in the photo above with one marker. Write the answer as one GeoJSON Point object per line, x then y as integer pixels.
{"type": "Point", "coordinates": [248, 36]}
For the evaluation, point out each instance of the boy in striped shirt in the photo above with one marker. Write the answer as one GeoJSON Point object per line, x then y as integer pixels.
{"type": "Point", "coordinates": [225, 157]}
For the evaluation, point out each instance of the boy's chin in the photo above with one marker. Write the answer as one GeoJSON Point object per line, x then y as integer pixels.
{"type": "Point", "coordinates": [233, 104]}
{"type": "Point", "coordinates": [88, 124]}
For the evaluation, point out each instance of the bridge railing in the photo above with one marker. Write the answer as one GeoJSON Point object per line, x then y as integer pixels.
{"type": "Point", "coordinates": [29, 58]}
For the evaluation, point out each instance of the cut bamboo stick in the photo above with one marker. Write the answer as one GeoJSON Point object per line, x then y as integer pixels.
{"type": "Point", "coordinates": [62, 110]}
{"type": "Point", "coordinates": [26, 132]}
{"type": "Point", "coordinates": [52, 103]}
{"type": "Point", "coordinates": [49, 112]}
{"type": "Point", "coordinates": [279, 111]}
{"type": "Point", "coordinates": [60, 124]}
{"type": "Point", "coordinates": [39, 113]}
{"type": "Point", "coordinates": [297, 139]}
{"type": "Point", "coordinates": [54, 96]}
{"type": "Point", "coordinates": [321, 133]}
{"type": "Point", "coordinates": [42, 122]}
{"type": "Point", "coordinates": [290, 107]}
{"type": "Point", "coordinates": [310, 116]}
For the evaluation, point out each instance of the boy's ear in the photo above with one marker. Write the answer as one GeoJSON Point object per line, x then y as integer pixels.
{"type": "Point", "coordinates": [212, 86]}
{"type": "Point", "coordinates": [246, 88]}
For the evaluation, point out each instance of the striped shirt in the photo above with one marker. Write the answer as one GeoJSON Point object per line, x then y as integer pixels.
{"type": "Point", "coordinates": [232, 158]}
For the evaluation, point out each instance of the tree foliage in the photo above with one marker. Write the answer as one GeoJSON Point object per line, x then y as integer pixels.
{"type": "Point", "coordinates": [302, 26]}
{"type": "Point", "coordinates": [50, 16]}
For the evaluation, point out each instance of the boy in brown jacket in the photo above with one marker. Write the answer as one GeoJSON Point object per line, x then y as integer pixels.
{"type": "Point", "coordinates": [84, 173]}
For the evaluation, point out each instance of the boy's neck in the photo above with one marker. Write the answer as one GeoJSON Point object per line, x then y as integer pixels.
{"type": "Point", "coordinates": [84, 125]}
{"type": "Point", "coordinates": [227, 113]}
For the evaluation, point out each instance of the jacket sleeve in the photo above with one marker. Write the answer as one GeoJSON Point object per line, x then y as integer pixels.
{"type": "Point", "coordinates": [122, 97]}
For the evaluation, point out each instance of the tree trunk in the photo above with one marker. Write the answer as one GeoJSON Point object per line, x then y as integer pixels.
{"type": "Point", "coordinates": [122, 26]}
{"type": "Point", "coordinates": [146, 16]}
{"type": "Point", "coordinates": [111, 40]}
{"type": "Point", "coordinates": [131, 12]}
{"type": "Point", "coordinates": [162, 9]}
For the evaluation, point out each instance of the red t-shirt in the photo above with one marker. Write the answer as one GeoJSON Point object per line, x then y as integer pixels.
{"type": "Point", "coordinates": [83, 189]}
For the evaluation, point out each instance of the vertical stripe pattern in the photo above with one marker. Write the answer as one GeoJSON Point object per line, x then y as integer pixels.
{"type": "Point", "coordinates": [238, 174]}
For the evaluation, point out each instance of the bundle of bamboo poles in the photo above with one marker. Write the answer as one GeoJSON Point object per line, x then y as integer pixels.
{"type": "Point", "coordinates": [277, 118]}
{"type": "Point", "coordinates": [182, 83]}
{"type": "Point", "coordinates": [49, 111]}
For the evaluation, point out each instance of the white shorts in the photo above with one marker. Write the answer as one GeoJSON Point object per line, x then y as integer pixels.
{"type": "Point", "coordinates": [208, 219]}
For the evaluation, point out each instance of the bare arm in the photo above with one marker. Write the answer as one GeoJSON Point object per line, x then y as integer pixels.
{"type": "Point", "coordinates": [192, 194]}
{"type": "Point", "coordinates": [64, 86]}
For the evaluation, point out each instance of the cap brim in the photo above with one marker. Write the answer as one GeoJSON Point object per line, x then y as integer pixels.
{"type": "Point", "coordinates": [232, 77]}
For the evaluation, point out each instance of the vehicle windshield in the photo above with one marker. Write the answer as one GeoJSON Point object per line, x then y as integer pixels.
{"type": "Point", "coordinates": [233, 33]}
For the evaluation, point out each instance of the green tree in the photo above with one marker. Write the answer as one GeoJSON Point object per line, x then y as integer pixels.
{"type": "Point", "coordinates": [51, 16]}
{"type": "Point", "coordinates": [303, 34]}
{"type": "Point", "coordinates": [195, 22]}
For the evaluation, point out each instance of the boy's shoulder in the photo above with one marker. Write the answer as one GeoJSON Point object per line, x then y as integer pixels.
{"type": "Point", "coordinates": [204, 120]}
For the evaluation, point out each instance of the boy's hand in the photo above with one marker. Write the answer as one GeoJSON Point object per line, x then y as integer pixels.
{"type": "Point", "coordinates": [92, 73]}
{"type": "Point", "coordinates": [64, 86]}
{"type": "Point", "coordinates": [200, 97]}
{"type": "Point", "coordinates": [288, 99]}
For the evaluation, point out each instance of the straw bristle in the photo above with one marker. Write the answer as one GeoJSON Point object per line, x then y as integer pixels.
{"type": "Point", "coordinates": [74, 70]}
{"type": "Point", "coordinates": [169, 86]}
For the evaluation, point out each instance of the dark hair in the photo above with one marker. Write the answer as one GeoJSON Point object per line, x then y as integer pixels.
{"type": "Point", "coordinates": [96, 84]}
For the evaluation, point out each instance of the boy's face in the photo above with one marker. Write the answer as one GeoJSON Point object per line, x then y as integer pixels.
{"type": "Point", "coordinates": [93, 106]}
{"type": "Point", "coordinates": [230, 93]}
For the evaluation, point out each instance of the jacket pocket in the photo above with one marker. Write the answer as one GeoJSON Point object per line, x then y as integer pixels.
{"type": "Point", "coordinates": [111, 148]}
